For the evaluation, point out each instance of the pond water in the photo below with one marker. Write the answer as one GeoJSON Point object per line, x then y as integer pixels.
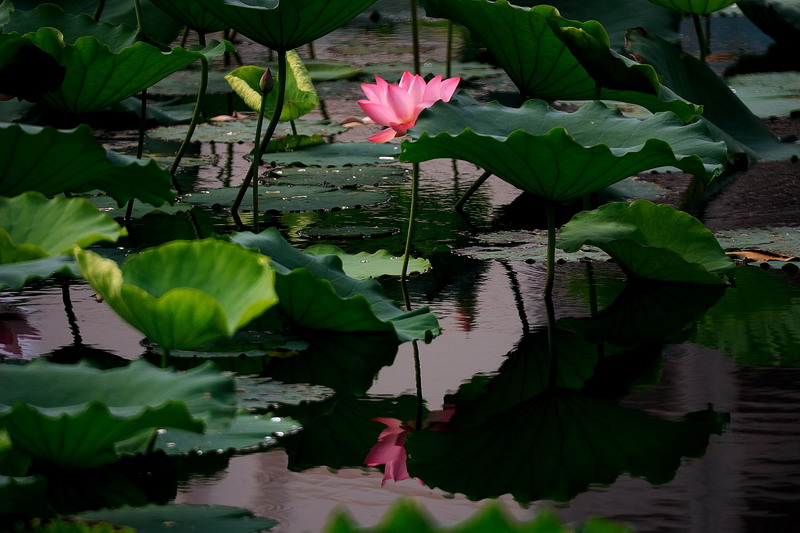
{"type": "Point", "coordinates": [685, 419]}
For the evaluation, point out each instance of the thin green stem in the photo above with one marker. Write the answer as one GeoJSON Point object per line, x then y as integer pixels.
{"type": "Point", "coordinates": [201, 38]}
{"type": "Point", "coordinates": [412, 213]}
{"type": "Point", "coordinates": [198, 106]}
{"type": "Point", "coordinates": [164, 357]}
{"type": "Point", "coordinates": [98, 11]}
{"type": "Point", "coordinates": [257, 161]}
{"type": "Point", "coordinates": [459, 205]}
{"type": "Point", "coordinates": [273, 123]}
{"type": "Point", "coordinates": [415, 35]}
{"type": "Point", "coordinates": [184, 36]}
{"type": "Point", "coordinates": [294, 127]}
{"type": "Point", "coordinates": [449, 68]}
{"type": "Point", "coordinates": [701, 40]}
{"type": "Point", "coordinates": [708, 33]}
{"type": "Point", "coordinates": [138, 9]}
{"type": "Point", "coordinates": [551, 250]}
{"type": "Point", "coordinates": [311, 53]}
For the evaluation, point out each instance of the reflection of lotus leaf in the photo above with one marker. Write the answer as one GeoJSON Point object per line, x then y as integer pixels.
{"type": "Point", "coordinates": [558, 155]}
{"type": "Point", "coordinates": [185, 293]}
{"type": "Point", "coordinates": [554, 446]}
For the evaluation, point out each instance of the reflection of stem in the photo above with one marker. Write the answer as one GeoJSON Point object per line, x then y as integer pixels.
{"type": "Point", "coordinates": [459, 205]}
{"type": "Point", "coordinates": [198, 106]}
{"type": "Point", "coordinates": [201, 38]}
{"type": "Point", "coordinates": [412, 213]}
{"type": "Point", "coordinates": [592, 288]}
{"type": "Point", "coordinates": [415, 35]}
{"type": "Point", "coordinates": [701, 40]}
{"type": "Point", "coordinates": [73, 322]}
{"type": "Point", "coordinates": [140, 147]}
{"type": "Point", "coordinates": [418, 381]}
{"type": "Point", "coordinates": [273, 123]}
{"type": "Point", "coordinates": [98, 12]}
{"type": "Point", "coordinates": [324, 110]}
{"type": "Point", "coordinates": [449, 68]}
{"type": "Point", "coordinates": [551, 347]}
{"type": "Point", "coordinates": [257, 160]}
{"type": "Point", "coordinates": [518, 300]}
{"type": "Point", "coordinates": [551, 249]}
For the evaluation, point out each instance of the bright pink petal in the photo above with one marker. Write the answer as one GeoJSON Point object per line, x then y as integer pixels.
{"type": "Point", "coordinates": [401, 129]}
{"type": "Point", "coordinates": [433, 89]}
{"type": "Point", "coordinates": [379, 113]}
{"type": "Point", "coordinates": [406, 79]}
{"type": "Point", "coordinates": [448, 88]}
{"type": "Point", "coordinates": [389, 451]}
{"type": "Point", "coordinates": [417, 89]}
{"type": "Point", "coordinates": [402, 104]}
{"type": "Point", "coordinates": [384, 136]}
{"type": "Point", "coordinates": [372, 92]}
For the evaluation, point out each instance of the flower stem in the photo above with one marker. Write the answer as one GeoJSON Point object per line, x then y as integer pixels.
{"type": "Point", "coordinates": [551, 249]}
{"type": "Point", "coordinates": [415, 35]}
{"type": "Point", "coordinates": [701, 40]}
{"type": "Point", "coordinates": [198, 106]}
{"type": "Point", "coordinates": [412, 213]}
{"type": "Point", "coordinates": [273, 123]}
{"type": "Point", "coordinates": [98, 11]}
{"type": "Point", "coordinates": [257, 161]}
{"type": "Point", "coordinates": [138, 9]}
{"type": "Point", "coordinates": [459, 205]}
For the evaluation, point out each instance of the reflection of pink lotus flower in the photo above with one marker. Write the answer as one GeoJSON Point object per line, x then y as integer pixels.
{"type": "Point", "coordinates": [390, 449]}
{"type": "Point", "coordinates": [398, 106]}
{"type": "Point", "coordinates": [14, 332]}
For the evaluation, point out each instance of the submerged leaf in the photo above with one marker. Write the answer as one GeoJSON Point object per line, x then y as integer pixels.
{"type": "Point", "coordinates": [365, 265]}
{"type": "Point", "coordinates": [558, 155]}
{"type": "Point", "coordinates": [291, 199]}
{"type": "Point", "coordinates": [650, 241]}
{"type": "Point", "coordinates": [185, 293]}
{"type": "Point", "coordinates": [184, 519]}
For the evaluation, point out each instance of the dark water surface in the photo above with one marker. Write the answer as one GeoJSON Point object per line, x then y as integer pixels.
{"type": "Point", "coordinates": [736, 355]}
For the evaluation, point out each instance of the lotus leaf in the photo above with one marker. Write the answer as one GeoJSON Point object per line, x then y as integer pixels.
{"type": "Point", "coordinates": [558, 155]}
{"type": "Point", "coordinates": [341, 177]}
{"type": "Point", "coordinates": [315, 293]}
{"type": "Point", "coordinates": [292, 199]}
{"type": "Point", "coordinates": [365, 265]}
{"type": "Point", "coordinates": [33, 227]}
{"type": "Point", "coordinates": [554, 446]}
{"type": "Point", "coordinates": [185, 293]}
{"type": "Point", "coordinates": [542, 66]}
{"type": "Point", "coordinates": [74, 161]}
{"type": "Point", "coordinates": [283, 25]}
{"type": "Point", "coordinates": [768, 94]}
{"type": "Point", "coordinates": [696, 7]}
{"type": "Point", "coordinates": [778, 19]}
{"type": "Point", "coordinates": [187, 82]}
{"type": "Point", "coordinates": [408, 515]}
{"type": "Point", "coordinates": [650, 241]}
{"type": "Point", "coordinates": [242, 131]}
{"type": "Point", "coordinates": [15, 276]}
{"type": "Point", "coordinates": [81, 417]}
{"type": "Point", "coordinates": [27, 71]}
{"type": "Point", "coordinates": [300, 94]}
{"type": "Point", "coordinates": [339, 154]}
{"type": "Point", "coordinates": [729, 119]}
{"type": "Point", "coordinates": [258, 395]}
{"type": "Point", "coordinates": [191, 14]}
{"type": "Point", "coordinates": [184, 519]}
{"type": "Point", "coordinates": [101, 73]}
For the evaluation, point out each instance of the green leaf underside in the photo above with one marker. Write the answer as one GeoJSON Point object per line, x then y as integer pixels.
{"type": "Point", "coordinates": [80, 417]}
{"type": "Point", "coordinates": [192, 15]}
{"type": "Point", "coordinates": [650, 241]}
{"type": "Point", "coordinates": [15, 276]}
{"type": "Point", "coordinates": [300, 95]}
{"type": "Point", "coordinates": [365, 265]}
{"type": "Point", "coordinates": [697, 7]}
{"type": "Point", "coordinates": [558, 155]}
{"type": "Point", "coordinates": [34, 227]}
{"type": "Point", "coordinates": [541, 65]}
{"type": "Point", "coordinates": [184, 519]}
{"type": "Point", "coordinates": [284, 26]}
{"type": "Point", "coordinates": [291, 199]}
{"type": "Point", "coordinates": [315, 293]}
{"type": "Point", "coordinates": [74, 161]}
{"type": "Point", "coordinates": [185, 307]}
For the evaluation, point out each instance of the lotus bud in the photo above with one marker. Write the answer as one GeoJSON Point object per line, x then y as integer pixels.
{"type": "Point", "coordinates": [266, 83]}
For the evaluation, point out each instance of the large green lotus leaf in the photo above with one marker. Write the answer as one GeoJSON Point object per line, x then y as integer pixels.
{"type": "Point", "coordinates": [185, 293]}
{"type": "Point", "coordinates": [33, 227]}
{"type": "Point", "coordinates": [283, 25]}
{"type": "Point", "coordinates": [339, 154]}
{"type": "Point", "coordinates": [618, 16]}
{"type": "Point", "coordinates": [697, 7]}
{"type": "Point", "coordinates": [341, 177]}
{"type": "Point", "coordinates": [183, 519]}
{"type": "Point", "coordinates": [108, 205]}
{"type": "Point", "coordinates": [730, 119]}
{"type": "Point", "coordinates": [555, 446]}
{"type": "Point", "coordinates": [315, 293]}
{"type": "Point", "coordinates": [258, 395]}
{"type": "Point", "coordinates": [74, 161]}
{"type": "Point", "coordinates": [246, 433]}
{"type": "Point", "coordinates": [15, 276]}
{"type": "Point", "coordinates": [300, 94]}
{"type": "Point", "coordinates": [407, 514]}
{"type": "Point", "coordinates": [542, 66]}
{"type": "Point", "coordinates": [365, 265]}
{"type": "Point", "coordinates": [191, 14]}
{"type": "Point", "coordinates": [23, 497]}
{"type": "Point", "coordinates": [558, 155]}
{"type": "Point", "coordinates": [97, 77]}
{"type": "Point", "coordinates": [650, 241]}
{"type": "Point", "coordinates": [82, 413]}
{"type": "Point", "coordinates": [187, 82]}
{"type": "Point", "coordinates": [291, 199]}
{"type": "Point", "coordinates": [768, 94]}
{"type": "Point", "coordinates": [240, 131]}
{"type": "Point", "coordinates": [778, 19]}
{"type": "Point", "coordinates": [27, 71]}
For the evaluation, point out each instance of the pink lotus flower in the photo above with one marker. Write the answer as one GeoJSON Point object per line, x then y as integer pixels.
{"type": "Point", "coordinates": [398, 106]}
{"type": "Point", "coordinates": [390, 449]}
